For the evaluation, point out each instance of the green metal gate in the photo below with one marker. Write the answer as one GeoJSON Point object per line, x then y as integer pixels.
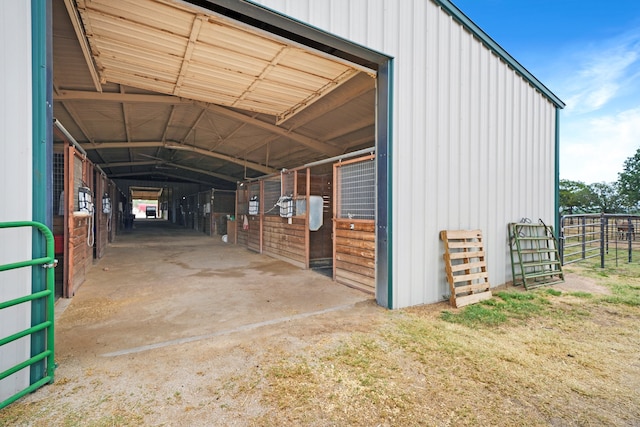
{"type": "Point", "coordinates": [47, 262]}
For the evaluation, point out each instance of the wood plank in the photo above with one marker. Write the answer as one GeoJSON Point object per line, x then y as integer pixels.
{"type": "Point", "coordinates": [282, 246]}
{"type": "Point", "coordinates": [284, 238]}
{"type": "Point", "coordinates": [365, 271]}
{"type": "Point", "coordinates": [359, 244]}
{"type": "Point", "coordinates": [355, 284]}
{"type": "Point", "coordinates": [298, 258]}
{"type": "Point", "coordinates": [474, 288]}
{"type": "Point", "coordinates": [348, 250]}
{"type": "Point", "coordinates": [463, 255]}
{"type": "Point", "coordinates": [468, 266]}
{"type": "Point", "coordinates": [355, 277]}
{"type": "Point", "coordinates": [464, 234]}
{"type": "Point", "coordinates": [465, 245]}
{"type": "Point", "coordinates": [472, 299]}
{"type": "Point", "coordinates": [358, 225]}
{"type": "Point", "coordinates": [469, 277]}
{"type": "Point", "coordinates": [356, 260]}
{"type": "Point", "coordinates": [356, 235]}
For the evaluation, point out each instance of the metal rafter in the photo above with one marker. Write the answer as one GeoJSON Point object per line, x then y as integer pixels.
{"type": "Point", "coordinates": [176, 146]}
{"type": "Point", "coordinates": [314, 144]}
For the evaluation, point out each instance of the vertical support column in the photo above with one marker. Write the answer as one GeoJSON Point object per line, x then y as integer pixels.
{"type": "Point", "coordinates": [307, 232]}
{"type": "Point", "coordinates": [70, 221]}
{"type": "Point", "coordinates": [42, 155]}
{"type": "Point", "coordinates": [384, 183]}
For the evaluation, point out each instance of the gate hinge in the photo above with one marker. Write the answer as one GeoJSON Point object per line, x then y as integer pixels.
{"type": "Point", "coordinates": [53, 264]}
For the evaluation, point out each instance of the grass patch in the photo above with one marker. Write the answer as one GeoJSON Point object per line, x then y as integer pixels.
{"type": "Point", "coordinates": [502, 308]}
{"type": "Point", "coordinates": [474, 315]}
{"type": "Point", "coordinates": [553, 292]}
{"type": "Point", "coordinates": [580, 294]}
{"type": "Point", "coordinates": [622, 280]}
{"type": "Point", "coordinates": [624, 294]}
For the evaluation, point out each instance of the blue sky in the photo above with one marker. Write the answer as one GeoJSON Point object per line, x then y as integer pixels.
{"type": "Point", "coordinates": [588, 53]}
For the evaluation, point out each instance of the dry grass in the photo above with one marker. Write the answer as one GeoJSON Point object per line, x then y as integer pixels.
{"type": "Point", "coordinates": [559, 359]}
{"type": "Point", "coordinates": [537, 358]}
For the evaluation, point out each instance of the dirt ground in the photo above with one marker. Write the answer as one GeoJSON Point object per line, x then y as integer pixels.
{"type": "Point", "coordinates": [175, 333]}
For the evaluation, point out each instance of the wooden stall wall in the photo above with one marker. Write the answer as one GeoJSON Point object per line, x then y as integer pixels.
{"type": "Point", "coordinates": [285, 241]}
{"type": "Point", "coordinates": [79, 230]}
{"type": "Point", "coordinates": [223, 211]}
{"type": "Point", "coordinates": [285, 237]}
{"type": "Point", "coordinates": [355, 253]}
{"type": "Point", "coordinates": [354, 223]}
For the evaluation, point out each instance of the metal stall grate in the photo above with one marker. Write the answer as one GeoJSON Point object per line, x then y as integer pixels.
{"type": "Point", "coordinates": [357, 198]}
{"type": "Point", "coordinates": [272, 193]}
{"type": "Point", "coordinates": [58, 183]}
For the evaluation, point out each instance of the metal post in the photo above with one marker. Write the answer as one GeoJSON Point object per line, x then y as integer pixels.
{"type": "Point", "coordinates": [630, 231]}
{"type": "Point", "coordinates": [561, 240]}
{"type": "Point", "coordinates": [602, 221]}
{"type": "Point", "coordinates": [584, 237]}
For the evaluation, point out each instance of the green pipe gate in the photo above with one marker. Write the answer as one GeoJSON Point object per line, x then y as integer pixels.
{"type": "Point", "coordinates": [47, 356]}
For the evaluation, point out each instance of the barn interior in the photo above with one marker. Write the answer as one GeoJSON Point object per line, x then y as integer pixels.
{"type": "Point", "coordinates": [168, 100]}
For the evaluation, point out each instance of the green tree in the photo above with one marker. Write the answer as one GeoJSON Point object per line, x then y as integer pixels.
{"type": "Point", "coordinates": [629, 181]}
{"type": "Point", "coordinates": [606, 198]}
{"type": "Point", "coordinates": [575, 197]}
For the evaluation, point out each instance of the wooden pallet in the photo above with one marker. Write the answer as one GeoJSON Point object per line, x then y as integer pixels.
{"type": "Point", "coordinates": [464, 260]}
{"type": "Point", "coordinates": [534, 255]}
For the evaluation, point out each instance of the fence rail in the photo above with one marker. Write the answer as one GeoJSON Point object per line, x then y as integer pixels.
{"type": "Point", "coordinates": [47, 355]}
{"type": "Point", "coordinates": [589, 236]}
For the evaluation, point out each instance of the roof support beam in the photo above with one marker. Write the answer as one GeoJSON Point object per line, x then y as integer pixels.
{"type": "Point", "coordinates": [314, 144]}
{"type": "Point", "coordinates": [80, 95]}
{"type": "Point", "coordinates": [124, 164]}
{"type": "Point", "coordinates": [146, 144]}
{"type": "Point", "coordinates": [204, 172]}
{"type": "Point", "coordinates": [173, 165]}
{"type": "Point", "coordinates": [82, 41]}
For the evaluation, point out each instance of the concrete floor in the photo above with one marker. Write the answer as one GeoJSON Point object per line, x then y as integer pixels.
{"type": "Point", "coordinates": [160, 285]}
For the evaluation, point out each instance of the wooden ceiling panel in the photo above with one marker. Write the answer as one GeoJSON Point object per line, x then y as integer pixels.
{"type": "Point", "coordinates": [239, 41]}
{"type": "Point", "coordinates": [158, 14]}
{"type": "Point", "coordinates": [238, 67]}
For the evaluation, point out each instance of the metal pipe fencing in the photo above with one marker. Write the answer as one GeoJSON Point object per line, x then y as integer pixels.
{"type": "Point", "coordinates": [586, 236]}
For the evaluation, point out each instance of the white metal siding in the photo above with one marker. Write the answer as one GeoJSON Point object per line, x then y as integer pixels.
{"type": "Point", "coordinates": [473, 142]}
{"type": "Point", "coordinates": [15, 181]}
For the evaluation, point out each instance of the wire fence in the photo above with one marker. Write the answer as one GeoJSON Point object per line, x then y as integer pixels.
{"type": "Point", "coordinates": [603, 236]}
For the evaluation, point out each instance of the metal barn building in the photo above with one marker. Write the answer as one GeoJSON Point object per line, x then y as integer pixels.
{"type": "Point", "coordinates": [169, 99]}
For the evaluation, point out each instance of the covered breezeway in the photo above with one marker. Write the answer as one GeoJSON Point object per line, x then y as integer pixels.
{"type": "Point", "coordinates": [163, 286]}
{"type": "Point", "coordinates": [194, 96]}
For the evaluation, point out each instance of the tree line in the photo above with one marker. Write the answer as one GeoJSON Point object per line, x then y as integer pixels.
{"type": "Point", "coordinates": [622, 196]}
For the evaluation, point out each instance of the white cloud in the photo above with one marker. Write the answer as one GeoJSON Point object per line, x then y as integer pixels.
{"type": "Point", "coordinates": [594, 149]}
{"type": "Point", "coordinates": [596, 76]}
